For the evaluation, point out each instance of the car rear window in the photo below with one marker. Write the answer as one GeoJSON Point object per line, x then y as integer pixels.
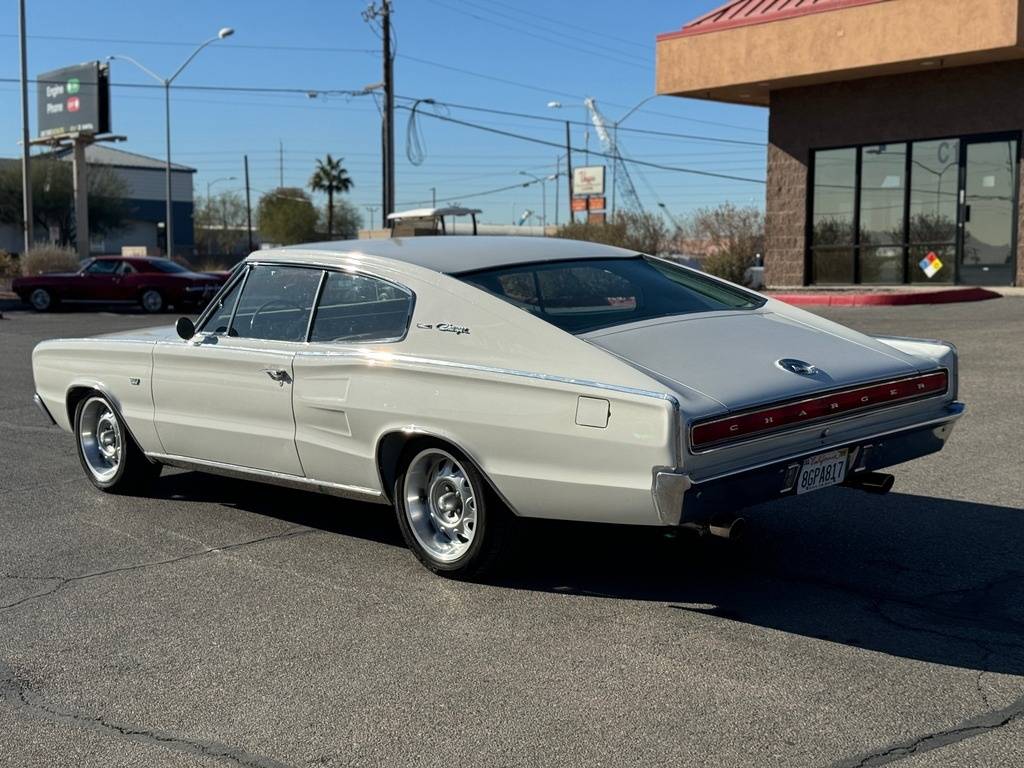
{"type": "Point", "coordinates": [587, 295]}
{"type": "Point", "coordinates": [166, 265]}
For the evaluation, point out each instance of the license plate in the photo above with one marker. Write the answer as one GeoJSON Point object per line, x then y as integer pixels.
{"type": "Point", "coordinates": [822, 471]}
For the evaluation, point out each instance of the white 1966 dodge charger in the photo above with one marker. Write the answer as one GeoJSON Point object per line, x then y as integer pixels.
{"type": "Point", "coordinates": [471, 381]}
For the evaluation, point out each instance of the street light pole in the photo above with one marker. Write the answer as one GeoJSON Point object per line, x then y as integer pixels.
{"type": "Point", "coordinates": [166, 82]}
{"type": "Point", "coordinates": [543, 180]}
{"type": "Point", "coordinates": [615, 138]}
{"type": "Point", "coordinates": [26, 179]}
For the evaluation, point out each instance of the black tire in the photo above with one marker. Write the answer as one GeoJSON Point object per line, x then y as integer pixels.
{"type": "Point", "coordinates": [41, 300]}
{"type": "Point", "coordinates": [152, 301]}
{"type": "Point", "coordinates": [132, 472]}
{"type": "Point", "coordinates": [494, 528]}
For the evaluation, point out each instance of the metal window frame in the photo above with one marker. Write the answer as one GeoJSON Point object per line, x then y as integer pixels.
{"type": "Point", "coordinates": [963, 140]}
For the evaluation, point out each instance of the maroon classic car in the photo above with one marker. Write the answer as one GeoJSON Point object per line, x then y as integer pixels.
{"type": "Point", "coordinates": [153, 283]}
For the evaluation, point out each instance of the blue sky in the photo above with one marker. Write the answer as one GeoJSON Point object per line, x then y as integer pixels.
{"type": "Point", "coordinates": [498, 54]}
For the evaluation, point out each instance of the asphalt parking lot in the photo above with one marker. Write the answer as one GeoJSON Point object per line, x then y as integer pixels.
{"type": "Point", "coordinates": [220, 623]}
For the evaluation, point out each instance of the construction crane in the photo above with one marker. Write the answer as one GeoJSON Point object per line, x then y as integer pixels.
{"type": "Point", "coordinates": [621, 180]}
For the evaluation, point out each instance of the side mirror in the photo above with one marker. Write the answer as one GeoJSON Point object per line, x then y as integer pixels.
{"type": "Point", "coordinates": [185, 328]}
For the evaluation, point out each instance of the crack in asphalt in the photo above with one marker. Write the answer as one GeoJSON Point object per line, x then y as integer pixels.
{"type": "Point", "coordinates": [62, 581]}
{"type": "Point", "coordinates": [22, 698]}
{"type": "Point", "coordinates": [986, 723]}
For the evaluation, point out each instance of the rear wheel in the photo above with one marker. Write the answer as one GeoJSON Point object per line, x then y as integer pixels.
{"type": "Point", "coordinates": [111, 459]}
{"type": "Point", "coordinates": [449, 516]}
{"type": "Point", "coordinates": [152, 300]}
{"type": "Point", "coordinates": [41, 300]}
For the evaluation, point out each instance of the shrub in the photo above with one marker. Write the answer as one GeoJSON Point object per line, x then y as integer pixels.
{"type": "Point", "coordinates": [731, 236]}
{"type": "Point", "coordinates": [643, 232]}
{"type": "Point", "coordinates": [48, 258]}
{"type": "Point", "coordinates": [8, 265]}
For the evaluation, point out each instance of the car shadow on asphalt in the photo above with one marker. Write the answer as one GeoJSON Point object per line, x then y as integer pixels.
{"type": "Point", "coordinates": [917, 577]}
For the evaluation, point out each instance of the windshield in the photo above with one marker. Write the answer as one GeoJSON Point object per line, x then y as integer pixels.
{"type": "Point", "coordinates": [587, 295]}
{"type": "Point", "coordinates": [166, 265]}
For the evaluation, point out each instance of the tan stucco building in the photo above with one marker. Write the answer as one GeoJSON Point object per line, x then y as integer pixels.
{"type": "Point", "coordinates": [894, 132]}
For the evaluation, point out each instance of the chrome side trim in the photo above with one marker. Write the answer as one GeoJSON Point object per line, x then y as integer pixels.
{"type": "Point", "coordinates": [391, 357]}
{"type": "Point", "coordinates": [953, 412]}
{"type": "Point", "coordinates": [42, 407]}
{"type": "Point", "coordinates": [266, 476]}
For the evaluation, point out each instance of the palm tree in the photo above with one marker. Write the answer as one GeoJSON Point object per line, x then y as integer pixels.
{"type": "Point", "coordinates": [330, 176]}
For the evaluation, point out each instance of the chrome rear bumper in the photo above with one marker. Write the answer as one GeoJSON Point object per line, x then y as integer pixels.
{"type": "Point", "coordinates": [679, 499]}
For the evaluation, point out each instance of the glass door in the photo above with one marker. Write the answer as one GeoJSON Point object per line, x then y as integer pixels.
{"type": "Point", "coordinates": [988, 213]}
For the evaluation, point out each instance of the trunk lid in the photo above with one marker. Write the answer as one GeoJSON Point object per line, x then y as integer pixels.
{"type": "Point", "coordinates": [733, 357]}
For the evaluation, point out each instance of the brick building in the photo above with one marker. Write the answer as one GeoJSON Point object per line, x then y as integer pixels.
{"type": "Point", "coordinates": [894, 132]}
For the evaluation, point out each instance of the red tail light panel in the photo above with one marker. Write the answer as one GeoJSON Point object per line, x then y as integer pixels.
{"type": "Point", "coordinates": [834, 405]}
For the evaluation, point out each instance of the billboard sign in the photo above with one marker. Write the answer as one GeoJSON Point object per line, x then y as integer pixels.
{"type": "Point", "coordinates": [73, 100]}
{"type": "Point", "coordinates": [579, 204]}
{"type": "Point", "coordinates": [588, 180]}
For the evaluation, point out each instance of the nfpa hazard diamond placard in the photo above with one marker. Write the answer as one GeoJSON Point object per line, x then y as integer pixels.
{"type": "Point", "coordinates": [930, 264]}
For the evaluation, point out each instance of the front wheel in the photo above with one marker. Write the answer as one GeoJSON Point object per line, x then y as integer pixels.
{"type": "Point", "coordinates": [450, 518]}
{"type": "Point", "coordinates": [111, 459]}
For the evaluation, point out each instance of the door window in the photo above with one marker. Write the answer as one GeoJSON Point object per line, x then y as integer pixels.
{"type": "Point", "coordinates": [220, 315]}
{"type": "Point", "coordinates": [275, 303]}
{"type": "Point", "coordinates": [361, 308]}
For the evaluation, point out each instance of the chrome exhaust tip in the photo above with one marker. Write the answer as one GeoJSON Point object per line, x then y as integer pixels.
{"type": "Point", "coordinates": [872, 482]}
{"type": "Point", "coordinates": [732, 530]}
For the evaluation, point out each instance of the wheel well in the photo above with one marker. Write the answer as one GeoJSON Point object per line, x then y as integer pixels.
{"type": "Point", "coordinates": [394, 446]}
{"type": "Point", "coordinates": [391, 448]}
{"type": "Point", "coordinates": [75, 396]}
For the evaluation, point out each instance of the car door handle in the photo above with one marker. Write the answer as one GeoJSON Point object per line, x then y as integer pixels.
{"type": "Point", "coordinates": [279, 375]}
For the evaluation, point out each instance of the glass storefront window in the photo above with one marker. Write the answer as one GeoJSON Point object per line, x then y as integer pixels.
{"type": "Point", "coordinates": [881, 265]}
{"type": "Point", "coordinates": [835, 187]}
{"type": "Point", "coordinates": [934, 167]}
{"type": "Point", "coordinates": [882, 168]}
{"type": "Point", "coordinates": [832, 265]}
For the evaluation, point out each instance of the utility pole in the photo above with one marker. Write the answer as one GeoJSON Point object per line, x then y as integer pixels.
{"type": "Point", "coordinates": [371, 16]}
{"type": "Point", "coordinates": [248, 203]}
{"type": "Point", "coordinates": [280, 163]}
{"type": "Point", "coordinates": [389, 113]}
{"type": "Point", "coordinates": [568, 167]}
{"type": "Point", "coordinates": [370, 209]}
{"type": "Point", "coordinates": [80, 182]}
{"type": "Point", "coordinates": [433, 197]}
{"type": "Point", "coordinates": [26, 180]}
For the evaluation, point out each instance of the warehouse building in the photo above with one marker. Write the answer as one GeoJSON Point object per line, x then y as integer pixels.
{"type": "Point", "coordinates": [894, 132]}
{"type": "Point", "coordinates": [144, 182]}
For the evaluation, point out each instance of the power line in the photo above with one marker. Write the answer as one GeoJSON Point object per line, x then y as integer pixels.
{"type": "Point", "coordinates": [631, 61]}
{"type": "Point", "coordinates": [559, 145]}
{"type": "Point", "coordinates": [560, 121]}
{"type": "Point", "coordinates": [574, 24]}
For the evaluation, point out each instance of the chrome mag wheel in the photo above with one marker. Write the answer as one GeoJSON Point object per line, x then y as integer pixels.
{"type": "Point", "coordinates": [440, 504]}
{"type": "Point", "coordinates": [101, 438]}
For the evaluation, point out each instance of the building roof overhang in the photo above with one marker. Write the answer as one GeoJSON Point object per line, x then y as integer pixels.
{"type": "Point", "coordinates": [745, 49]}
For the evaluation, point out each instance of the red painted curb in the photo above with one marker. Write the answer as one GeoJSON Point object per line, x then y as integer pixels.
{"type": "Point", "coordinates": [885, 298]}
